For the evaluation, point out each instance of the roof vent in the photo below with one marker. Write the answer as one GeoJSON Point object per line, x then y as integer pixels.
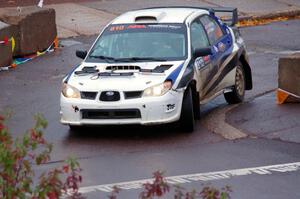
{"type": "Point", "coordinates": [150, 16]}
{"type": "Point", "coordinates": [145, 19]}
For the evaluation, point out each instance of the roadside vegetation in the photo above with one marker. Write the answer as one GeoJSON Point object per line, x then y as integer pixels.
{"type": "Point", "coordinates": [261, 21]}
{"type": "Point", "coordinates": [20, 157]}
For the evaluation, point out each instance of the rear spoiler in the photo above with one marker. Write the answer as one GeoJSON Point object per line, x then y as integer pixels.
{"type": "Point", "coordinates": [230, 21]}
{"type": "Point", "coordinates": [213, 10]}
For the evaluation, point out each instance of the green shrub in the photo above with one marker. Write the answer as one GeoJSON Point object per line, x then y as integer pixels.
{"type": "Point", "coordinates": [17, 158]}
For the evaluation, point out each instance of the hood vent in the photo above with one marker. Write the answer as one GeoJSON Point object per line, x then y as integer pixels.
{"type": "Point", "coordinates": [158, 69]}
{"type": "Point", "coordinates": [162, 68]}
{"type": "Point", "coordinates": [112, 68]}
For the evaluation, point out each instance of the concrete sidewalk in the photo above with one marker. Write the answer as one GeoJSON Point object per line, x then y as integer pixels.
{"type": "Point", "coordinates": [263, 118]}
{"type": "Point", "coordinates": [89, 17]}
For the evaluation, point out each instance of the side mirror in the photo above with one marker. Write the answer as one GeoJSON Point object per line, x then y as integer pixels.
{"type": "Point", "coordinates": [81, 53]}
{"type": "Point", "coordinates": [201, 52]}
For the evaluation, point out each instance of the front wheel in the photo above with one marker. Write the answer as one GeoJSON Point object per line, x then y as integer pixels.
{"type": "Point", "coordinates": [187, 120]}
{"type": "Point", "coordinates": [238, 91]}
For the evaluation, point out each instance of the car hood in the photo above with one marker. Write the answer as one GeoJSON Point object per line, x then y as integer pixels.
{"type": "Point", "coordinates": [140, 80]}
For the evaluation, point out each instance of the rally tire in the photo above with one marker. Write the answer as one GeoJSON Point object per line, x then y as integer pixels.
{"type": "Point", "coordinates": [187, 120]}
{"type": "Point", "coordinates": [196, 104]}
{"type": "Point", "coordinates": [238, 91]}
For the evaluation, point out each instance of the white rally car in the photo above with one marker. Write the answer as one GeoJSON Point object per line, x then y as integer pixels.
{"type": "Point", "coordinates": [157, 65]}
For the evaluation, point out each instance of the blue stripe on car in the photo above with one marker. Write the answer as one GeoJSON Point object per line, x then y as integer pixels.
{"type": "Point", "coordinates": [173, 76]}
{"type": "Point", "coordinates": [70, 73]}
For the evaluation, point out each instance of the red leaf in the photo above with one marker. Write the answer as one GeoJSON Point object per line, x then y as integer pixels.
{"type": "Point", "coordinates": [66, 168]}
{"type": "Point", "coordinates": [5, 40]}
{"type": "Point", "coordinates": [33, 134]}
{"type": "Point", "coordinates": [52, 195]}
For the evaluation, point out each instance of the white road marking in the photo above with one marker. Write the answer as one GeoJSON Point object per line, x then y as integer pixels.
{"type": "Point", "coordinates": [199, 177]}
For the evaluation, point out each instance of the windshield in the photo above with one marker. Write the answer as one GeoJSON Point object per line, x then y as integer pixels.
{"type": "Point", "coordinates": [149, 42]}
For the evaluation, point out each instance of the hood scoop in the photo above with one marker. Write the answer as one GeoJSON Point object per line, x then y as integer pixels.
{"type": "Point", "coordinates": [145, 19]}
{"type": "Point", "coordinates": [150, 17]}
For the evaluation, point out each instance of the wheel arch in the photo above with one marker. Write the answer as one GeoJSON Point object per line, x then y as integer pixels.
{"type": "Point", "coordinates": [193, 85]}
{"type": "Point", "coordinates": [196, 99]}
{"type": "Point", "coordinates": [247, 70]}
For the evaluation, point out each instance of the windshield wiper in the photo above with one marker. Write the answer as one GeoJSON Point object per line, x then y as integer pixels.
{"type": "Point", "coordinates": [129, 59]}
{"type": "Point", "coordinates": [106, 58]}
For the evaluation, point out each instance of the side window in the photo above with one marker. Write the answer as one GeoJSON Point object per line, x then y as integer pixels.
{"type": "Point", "coordinates": [198, 36]}
{"type": "Point", "coordinates": [213, 29]}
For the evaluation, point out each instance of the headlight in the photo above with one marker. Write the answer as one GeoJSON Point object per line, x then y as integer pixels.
{"type": "Point", "coordinates": [158, 90]}
{"type": "Point", "coordinates": [70, 91]}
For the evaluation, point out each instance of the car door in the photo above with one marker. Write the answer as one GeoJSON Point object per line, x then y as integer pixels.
{"type": "Point", "coordinates": [202, 65]}
{"type": "Point", "coordinates": [221, 44]}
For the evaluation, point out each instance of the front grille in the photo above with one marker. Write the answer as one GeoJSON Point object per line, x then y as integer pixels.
{"type": "Point", "coordinates": [88, 95]}
{"type": "Point", "coordinates": [133, 94]}
{"type": "Point", "coordinates": [123, 68]}
{"type": "Point", "coordinates": [111, 114]}
{"type": "Point", "coordinates": [109, 96]}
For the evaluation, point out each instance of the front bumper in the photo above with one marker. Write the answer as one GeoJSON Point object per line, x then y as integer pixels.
{"type": "Point", "coordinates": [153, 110]}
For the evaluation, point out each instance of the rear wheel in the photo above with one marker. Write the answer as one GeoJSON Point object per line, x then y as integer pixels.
{"type": "Point", "coordinates": [238, 91]}
{"type": "Point", "coordinates": [187, 120]}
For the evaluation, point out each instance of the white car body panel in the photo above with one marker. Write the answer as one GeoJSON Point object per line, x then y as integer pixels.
{"type": "Point", "coordinates": [153, 110]}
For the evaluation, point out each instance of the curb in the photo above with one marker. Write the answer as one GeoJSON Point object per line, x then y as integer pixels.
{"type": "Point", "coordinates": [216, 122]}
{"type": "Point", "coordinates": [268, 16]}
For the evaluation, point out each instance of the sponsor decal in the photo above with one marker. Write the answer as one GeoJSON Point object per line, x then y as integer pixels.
{"type": "Point", "coordinates": [117, 28]}
{"type": "Point", "coordinates": [165, 26]}
{"type": "Point", "coordinates": [136, 26]}
{"type": "Point", "coordinates": [199, 63]}
{"type": "Point", "coordinates": [221, 47]}
{"type": "Point", "coordinates": [170, 107]}
{"type": "Point", "coordinates": [209, 27]}
{"type": "Point", "coordinates": [206, 58]}
{"type": "Point", "coordinates": [216, 49]}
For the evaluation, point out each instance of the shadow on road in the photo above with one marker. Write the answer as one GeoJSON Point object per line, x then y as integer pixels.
{"type": "Point", "coordinates": [131, 132]}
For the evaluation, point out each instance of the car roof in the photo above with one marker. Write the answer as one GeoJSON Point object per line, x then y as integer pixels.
{"type": "Point", "coordinates": [158, 15]}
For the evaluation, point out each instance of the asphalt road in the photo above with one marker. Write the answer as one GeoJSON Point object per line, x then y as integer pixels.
{"type": "Point", "coordinates": [118, 154]}
{"type": "Point", "coordinates": [15, 3]}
